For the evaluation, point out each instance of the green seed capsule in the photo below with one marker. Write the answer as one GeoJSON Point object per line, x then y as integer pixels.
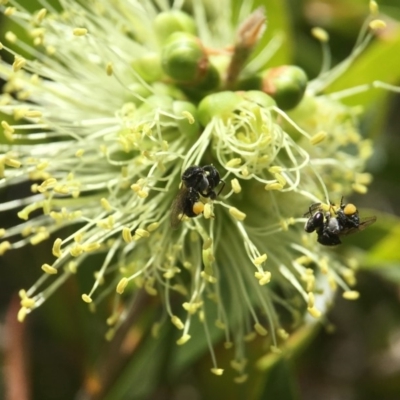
{"type": "Point", "coordinates": [286, 84]}
{"type": "Point", "coordinates": [169, 22]}
{"type": "Point", "coordinates": [221, 105]}
{"type": "Point", "coordinates": [183, 57]}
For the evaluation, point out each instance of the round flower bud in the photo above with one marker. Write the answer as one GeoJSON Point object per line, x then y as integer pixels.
{"type": "Point", "coordinates": [163, 102]}
{"type": "Point", "coordinates": [169, 22]}
{"type": "Point", "coordinates": [210, 80]}
{"type": "Point", "coordinates": [183, 57]}
{"type": "Point", "coordinates": [221, 104]}
{"type": "Point", "coordinates": [286, 84]}
{"type": "Point", "coordinates": [258, 97]}
{"type": "Point", "coordinates": [148, 67]}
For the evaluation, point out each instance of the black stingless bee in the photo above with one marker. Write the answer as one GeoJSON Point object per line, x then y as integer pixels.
{"type": "Point", "coordinates": [197, 182]}
{"type": "Point", "coordinates": [338, 221]}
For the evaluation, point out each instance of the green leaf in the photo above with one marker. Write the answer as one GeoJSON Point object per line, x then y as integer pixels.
{"type": "Point", "coordinates": [377, 62]}
{"type": "Point", "coordinates": [386, 251]}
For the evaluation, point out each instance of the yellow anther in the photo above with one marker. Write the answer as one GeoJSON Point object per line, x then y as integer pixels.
{"type": "Point", "coordinates": [109, 69]}
{"type": "Point", "coordinates": [155, 329]}
{"type": "Point", "coordinates": [239, 215]}
{"type": "Point", "coordinates": [259, 260]}
{"type": "Point", "coordinates": [12, 162]}
{"type": "Point", "coordinates": [189, 117]}
{"type": "Point", "coordinates": [260, 329]}
{"type": "Point", "coordinates": [228, 345]}
{"type": "Point", "coordinates": [90, 247]}
{"type": "Point", "coordinates": [126, 234]}
{"type": "Point", "coordinates": [351, 295]}
{"type": "Point", "coordinates": [275, 350]}
{"type": "Point", "coordinates": [80, 31]}
{"type": "Point", "coordinates": [76, 250]}
{"type": "Point", "coordinates": [86, 298]}
{"type": "Point", "coordinates": [314, 312]}
{"type": "Point", "coordinates": [9, 11]}
{"type": "Point", "coordinates": [207, 277]}
{"type": "Point", "coordinates": [273, 186]}
{"type": "Point", "coordinates": [105, 204]}
{"type": "Point", "coordinates": [192, 308]}
{"type": "Point", "coordinates": [142, 233]}
{"type": "Point", "coordinates": [280, 178]}
{"type": "Point", "coordinates": [250, 336]}
{"type": "Point", "coordinates": [72, 267]}
{"type": "Point", "coordinates": [112, 319]}
{"type": "Point", "coordinates": [122, 285]}
{"type": "Point", "coordinates": [177, 322]}
{"type": "Point", "coordinates": [234, 162]}
{"type": "Point", "coordinates": [150, 289]}
{"type": "Point", "coordinates": [373, 7]}
{"type": "Point", "coordinates": [19, 63]}
{"type": "Point", "coordinates": [4, 246]}
{"type": "Point", "coordinates": [22, 314]}
{"type": "Point", "coordinates": [318, 138]}
{"type": "Point", "coordinates": [41, 15]}
{"type": "Point", "coordinates": [57, 248]}
{"type": "Point", "coordinates": [320, 34]}
{"type": "Point", "coordinates": [11, 37]}
{"type": "Point", "coordinates": [377, 24]}
{"type": "Point", "coordinates": [49, 269]}
{"type": "Point", "coordinates": [153, 226]}
{"type": "Point", "coordinates": [236, 186]}
{"type": "Point", "coordinates": [5, 125]}
{"type": "Point", "coordinates": [110, 334]}
{"type": "Point", "coordinates": [359, 188]}
{"type": "Point", "coordinates": [39, 237]}
{"type": "Point", "coordinates": [28, 303]}
{"type": "Point", "coordinates": [207, 243]}
{"type": "Point", "coordinates": [217, 371]}
{"type": "Point", "coordinates": [79, 153]}
{"type": "Point", "coordinates": [207, 212]}
{"type": "Point", "coordinates": [241, 378]}
{"type": "Point", "coordinates": [263, 277]}
{"type": "Point", "coordinates": [275, 169]}
{"type": "Point", "coordinates": [33, 114]}
{"type": "Point", "coordinates": [282, 333]}
{"type": "Point", "coordinates": [184, 339]}
{"type": "Point", "coordinates": [311, 300]}
{"type": "Point", "coordinates": [2, 232]}
{"type": "Point", "coordinates": [143, 193]}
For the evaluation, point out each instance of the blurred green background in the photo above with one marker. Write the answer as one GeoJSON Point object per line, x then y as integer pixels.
{"type": "Point", "coordinates": [59, 352]}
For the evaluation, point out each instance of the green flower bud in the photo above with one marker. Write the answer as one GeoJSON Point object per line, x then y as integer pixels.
{"type": "Point", "coordinates": [183, 57]}
{"type": "Point", "coordinates": [210, 80]}
{"type": "Point", "coordinates": [141, 92]}
{"type": "Point", "coordinates": [221, 104]}
{"type": "Point", "coordinates": [184, 111]}
{"type": "Point", "coordinates": [169, 22]}
{"type": "Point", "coordinates": [286, 84]}
{"type": "Point", "coordinates": [163, 102]}
{"type": "Point", "coordinates": [148, 67]}
{"type": "Point", "coordinates": [258, 97]}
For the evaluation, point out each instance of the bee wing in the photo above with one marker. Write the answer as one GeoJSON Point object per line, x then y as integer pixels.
{"type": "Point", "coordinates": [177, 207]}
{"type": "Point", "coordinates": [365, 223]}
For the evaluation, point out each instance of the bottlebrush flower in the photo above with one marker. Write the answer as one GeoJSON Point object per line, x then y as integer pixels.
{"type": "Point", "coordinates": [108, 103]}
